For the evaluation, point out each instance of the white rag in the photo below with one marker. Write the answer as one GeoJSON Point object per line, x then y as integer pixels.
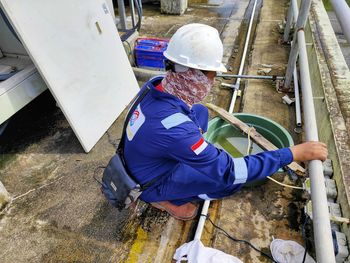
{"type": "Point", "coordinates": [287, 251]}
{"type": "Point", "coordinates": [196, 252]}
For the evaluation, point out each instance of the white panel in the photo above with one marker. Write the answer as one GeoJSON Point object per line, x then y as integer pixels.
{"type": "Point", "coordinates": [111, 8]}
{"type": "Point", "coordinates": [77, 49]}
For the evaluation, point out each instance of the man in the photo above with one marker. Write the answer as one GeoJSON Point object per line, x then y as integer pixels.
{"type": "Point", "coordinates": [164, 136]}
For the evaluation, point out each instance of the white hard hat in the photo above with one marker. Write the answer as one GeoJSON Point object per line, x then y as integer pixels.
{"type": "Point", "coordinates": [196, 46]}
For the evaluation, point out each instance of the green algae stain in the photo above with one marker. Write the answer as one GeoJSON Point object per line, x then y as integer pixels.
{"type": "Point", "coordinates": [328, 5]}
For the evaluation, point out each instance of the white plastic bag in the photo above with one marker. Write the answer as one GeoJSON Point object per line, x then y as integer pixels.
{"type": "Point", "coordinates": [287, 251]}
{"type": "Point", "coordinates": [196, 252]}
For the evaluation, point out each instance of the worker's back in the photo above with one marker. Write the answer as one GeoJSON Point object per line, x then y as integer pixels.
{"type": "Point", "coordinates": [149, 137]}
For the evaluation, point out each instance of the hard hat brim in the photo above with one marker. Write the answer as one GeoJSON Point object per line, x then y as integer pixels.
{"type": "Point", "coordinates": [220, 68]}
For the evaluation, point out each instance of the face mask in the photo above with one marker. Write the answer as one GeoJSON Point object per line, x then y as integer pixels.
{"type": "Point", "coordinates": [191, 86]}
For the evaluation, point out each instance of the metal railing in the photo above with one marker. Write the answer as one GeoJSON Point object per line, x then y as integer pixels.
{"type": "Point", "coordinates": [320, 212]}
{"type": "Point", "coordinates": [122, 24]}
{"type": "Point", "coordinates": [342, 11]}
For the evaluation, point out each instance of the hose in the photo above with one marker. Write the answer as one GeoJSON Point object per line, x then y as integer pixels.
{"type": "Point", "coordinates": [273, 180]}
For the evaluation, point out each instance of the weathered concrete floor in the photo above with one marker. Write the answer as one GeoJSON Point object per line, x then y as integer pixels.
{"type": "Point", "coordinates": [59, 213]}
{"type": "Point", "coordinates": [62, 215]}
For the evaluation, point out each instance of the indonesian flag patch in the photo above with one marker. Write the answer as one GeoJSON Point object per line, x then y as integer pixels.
{"type": "Point", "coordinates": [199, 146]}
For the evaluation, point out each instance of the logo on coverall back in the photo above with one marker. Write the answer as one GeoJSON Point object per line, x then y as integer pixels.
{"type": "Point", "coordinates": [135, 123]}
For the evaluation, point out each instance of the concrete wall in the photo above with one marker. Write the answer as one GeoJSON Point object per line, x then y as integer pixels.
{"type": "Point", "coordinates": [330, 83]}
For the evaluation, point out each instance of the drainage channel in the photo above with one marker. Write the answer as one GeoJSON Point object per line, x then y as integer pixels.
{"type": "Point", "coordinates": [247, 47]}
{"type": "Point", "coordinates": [244, 42]}
{"type": "Point", "coordinates": [206, 204]}
{"type": "Point", "coordinates": [206, 207]}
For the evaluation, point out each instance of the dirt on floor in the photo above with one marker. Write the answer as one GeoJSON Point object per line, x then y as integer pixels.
{"type": "Point", "coordinates": [58, 213]}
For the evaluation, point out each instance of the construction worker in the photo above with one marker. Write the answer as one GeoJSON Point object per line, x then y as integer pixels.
{"type": "Point", "coordinates": [164, 135]}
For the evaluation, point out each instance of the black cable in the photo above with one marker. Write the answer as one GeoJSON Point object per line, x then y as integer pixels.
{"type": "Point", "coordinates": [240, 240]}
{"type": "Point", "coordinates": [304, 257]}
{"type": "Point", "coordinates": [304, 237]}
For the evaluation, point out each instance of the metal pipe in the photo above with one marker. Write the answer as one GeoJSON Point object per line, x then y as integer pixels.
{"type": "Point", "coordinates": [297, 98]}
{"type": "Point", "coordinates": [251, 77]}
{"type": "Point", "coordinates": [241, 67]}
{"type": "Point", "coordinates": [122, 15]}
{"type": "Point", "coordinates": [202, 219]}
{"type": "Point", "coordinates": [293, 55]}
{"type": "Point", "coordinates": [288, 24]}
{"type": "Point", "coordinates": [132, 11]}
{"type": "Point", "coordinates": [140, 3]}
{"type": "Point", "coordinates": [320, 212]}
{"type": "Point", "coordinates": [342, 11]}
{"type": "Point", "coordinates": [294, 6]}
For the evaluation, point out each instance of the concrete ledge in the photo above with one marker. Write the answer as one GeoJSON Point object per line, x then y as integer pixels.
{"type": "Point", "coordinates": [340, 74]}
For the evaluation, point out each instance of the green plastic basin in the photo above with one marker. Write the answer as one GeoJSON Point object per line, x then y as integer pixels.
{"type": "Point", "coordinates": [235, 142]}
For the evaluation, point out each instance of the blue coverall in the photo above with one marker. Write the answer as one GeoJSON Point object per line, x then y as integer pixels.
{"type": "Point", "coordinates": [164, 139]}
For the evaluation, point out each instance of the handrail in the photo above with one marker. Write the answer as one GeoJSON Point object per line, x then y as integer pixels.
{"type": "Point", "coordinates": [320, 212]}
{"type": "Point", "coordinates": [342, 11]}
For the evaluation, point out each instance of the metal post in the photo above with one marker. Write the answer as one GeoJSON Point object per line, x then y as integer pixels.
{"type": "Point", "coordinates": [320, 212]}
{"type": "Point", "coordinates": [301, 21]}
{"type": "Point", "coordinates": [132, 11]}
{"type": "Point", "coordinates": [342, 11]}
{"type": "Point", "coordinates": [297, 98]}
{"type": "Point", "coordinates": [250, 77]}
{"type": "Point", "coordinates": [140, 3]}
{"type": "Point", "coordinates": [122, 14]}
{"type": "Point", "coordinates": [294, 6]}
{"type": "Point", "coordinates": [241, 67]}
{"type": "Point", "coordinates": [288, 24]}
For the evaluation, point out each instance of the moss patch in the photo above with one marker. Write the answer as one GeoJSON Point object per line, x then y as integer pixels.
{"type": "Point", "coordinates": [328, 5]}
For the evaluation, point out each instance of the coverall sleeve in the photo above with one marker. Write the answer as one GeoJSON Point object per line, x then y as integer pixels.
{"type": "Point", "coordinates": [189, 147]}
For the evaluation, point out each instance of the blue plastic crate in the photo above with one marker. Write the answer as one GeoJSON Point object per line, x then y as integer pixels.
{"type": "Point", "coordinates": [149, 53]}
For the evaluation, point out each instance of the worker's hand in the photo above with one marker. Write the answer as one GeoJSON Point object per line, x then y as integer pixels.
{"type": "Point", "coordinates": [309, 151]}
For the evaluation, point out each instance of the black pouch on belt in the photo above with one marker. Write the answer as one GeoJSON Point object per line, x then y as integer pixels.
{"type": "Point", "coordinates": [118, 186]}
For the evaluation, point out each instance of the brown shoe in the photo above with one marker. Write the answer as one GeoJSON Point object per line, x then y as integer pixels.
{"type": "Point", "coordinates": [184, 212]}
